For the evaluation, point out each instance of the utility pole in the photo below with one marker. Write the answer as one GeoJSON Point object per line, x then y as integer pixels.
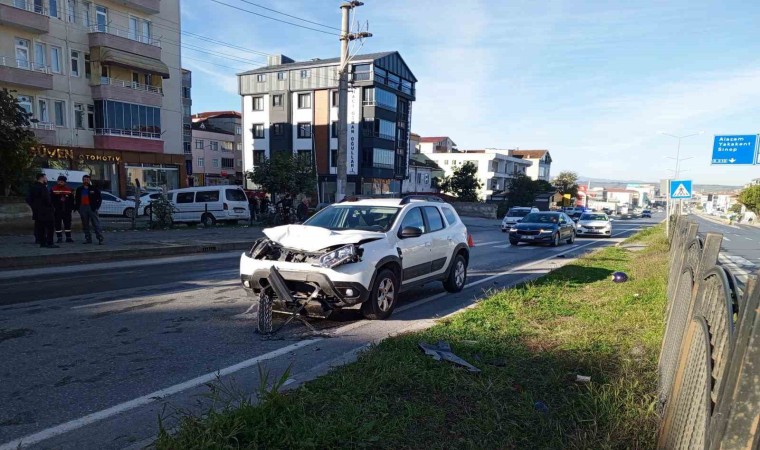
{"type": "Point", "coordinates": [345, 38]}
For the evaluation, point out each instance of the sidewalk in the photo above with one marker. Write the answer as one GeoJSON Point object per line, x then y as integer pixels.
{"type": "Point", "coordinates": [19, 251]}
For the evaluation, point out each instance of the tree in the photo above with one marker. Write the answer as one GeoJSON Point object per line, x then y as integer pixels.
{"type": "Point", "coordinates": [285, 172]}
{"type": "Point", "coordinates": [16, 141]}
{"type": "Point", "coordinates": [566, 183]}
{"type": "Point", "coordinates": [463, 183]}
{"type": "Point", "coordinates": [750, 197]}
{"type": "Point", "coordinates": [522, 191]}
{"type": "Point", "coordinates": [736, 208]}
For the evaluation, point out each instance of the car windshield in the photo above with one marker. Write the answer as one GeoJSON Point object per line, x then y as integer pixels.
{"type": "Point", "coordinates": [236, 195]}
{"type": "Point", "coordinates": [602, 217]}
{"type": "Point", "coordinates": [518, 212]}
{"type": "Point", "coordinates": [355, 217]}
{"type": "Point", "coordinates": [541, 218]}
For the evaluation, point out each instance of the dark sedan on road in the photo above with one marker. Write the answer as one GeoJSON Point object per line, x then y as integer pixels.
{"type": "Point", "coordinates": [646, 214]}
{"type": "Point", "coordinates": [551, 227]}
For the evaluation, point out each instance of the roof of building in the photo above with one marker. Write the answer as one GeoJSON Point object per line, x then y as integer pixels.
{"type": "Point", "coordinates": [201, 125]}
{"type": "Point", "coordinates": [433, 139]}
{"type": "Point", "coordinates": [622, 191]}
{"type": "Point", "coordinates": [207, 114]}
{"type": "Point", "coordinates": [318, 62]}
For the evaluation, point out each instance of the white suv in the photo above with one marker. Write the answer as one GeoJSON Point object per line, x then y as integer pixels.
{"type": "Point", "coordinates": [362, 251]}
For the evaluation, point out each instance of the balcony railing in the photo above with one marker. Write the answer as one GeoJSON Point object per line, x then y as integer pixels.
{"type": "Point", "coordinates": [128, 34]}
{"type": "Point", "coordinates": [30, 6]}
{"type": "Point", "coordinates": [127, 133]}
{"type": "Point", "coordinates": [131, 85]}
{"type": "Point", "coordinates": [23, 64]}
{"type": "Point", "coordinates": [377, 134]}
{"type": "Point", "coordinates": [42, 125]}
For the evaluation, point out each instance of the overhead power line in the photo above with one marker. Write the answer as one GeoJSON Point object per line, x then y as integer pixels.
{"type": "Point", "coordinates": [274, 18]}
{"type": "Point", "coordinates": [289, 15]}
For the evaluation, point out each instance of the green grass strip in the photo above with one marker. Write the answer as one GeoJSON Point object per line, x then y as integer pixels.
{"type": "Point", "coordinates": [530, 342]}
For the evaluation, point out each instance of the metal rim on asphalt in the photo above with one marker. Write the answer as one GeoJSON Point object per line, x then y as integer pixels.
{"type": "Point", "coordinates": [385, 294]}
{"type": "Point", "coordinates": [459, 273]}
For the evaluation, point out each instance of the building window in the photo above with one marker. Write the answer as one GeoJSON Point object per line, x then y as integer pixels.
{"type": "Point", "coordinates": [87, 67]}
{"type": "Point", "coordinates": [239, 147]}
{"type": "Point", "coordinates": [278, 129]}
{"type": "Point", "coordinates": [304, 130]}
{"type": "Point", "coordinates": [258, 103]}
{"type": "Point", "coordinates": [71, 11]}
{"type": "Point", "coordinates": [304, 101]}
{"type": "Point", "coordinates": [186, 148]}
{"type": "Point", "coordinates": [333, 158]}
{"type": "Point", "coordinates": [55, 59]}
{"type": "Point", "coordinates": [334, 129]}
{"type": "Point", "coordinates": [86, 14]}
{"type": "Point", "coordinates": [260, 78]}
{"type": "Point", "coordinates": [258, 131]}
{"type": "Point", "coordinates": [368, 96]}
{"type": "Point", "coordinates": [185, 92]}
{"type": "Point", "coordinates": [215, 146]}
{"type": "Point", "coordinates": [258, 157]}
{"type": "Point", "coordinates": [281, 75]}
{"type": "Point", "coordinates": [335, 98]}
{"type": "Point", "coordinates": [238, 130]}
{"type": "Point", "coordinates": [90, 116]}
{"type": "Point", "coordinates": [43, 115]}
{"type": "Point", "coordinates": [127, 119]}
{"type": "Point", "coordinates": [304, 154]}
{"type": "Point", "coordinates": [74, 63]}
{"type": "Point", "coordinates": [201, 162]}
{"type": "Point", "coordinates": [382, 158]}
{"type": "Point", "coordinates": [39, 55]}
{"type": "Point", "coordinates": [60, 113]}
{"type": "Point", "coordinates": [215, 163]}
{"type": "Point", "coordinates": [79, 116]}
{"type": "Point", "coordinates": [53, 8]}
{"type": "Point", "coordinates": [277, 101]}
{"type": "Point", "coordinates": [228, 163]}
{"type": "Point", "coordinates": [362, 72]}
{"type": "Point", "coordinates": [199, 144]}
{"type": "Point", "coordinates": [386, 99]}
{"type": "Point", "coordinates": [227, 146]}
{"type": "Point", "coordinates": [305, 73]}
{"type": "Point", "coordinates": [25, 103]}
{"type": "Point", "coordinates": [101, 18]}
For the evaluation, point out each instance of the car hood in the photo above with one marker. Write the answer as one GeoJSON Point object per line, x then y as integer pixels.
{"type": "Point", "coordinates": [534, 226]}
{"type": "Point", "coordinates": [593, 223]}
{"type": "Point", "coordinates": [312, 239]}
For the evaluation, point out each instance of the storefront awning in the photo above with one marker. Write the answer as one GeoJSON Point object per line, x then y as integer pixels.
{"type": "Point", "coordinates": [112, 56]}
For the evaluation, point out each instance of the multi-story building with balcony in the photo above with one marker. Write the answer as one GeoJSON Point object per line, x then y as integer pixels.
{"type": "Point", "coordinates": [217, 148]}
{"type": "Point", "coordinates": [541, 159]}
{"type": "Point", "coordinates": [102, 87]}
{"type": "Point", "coordinates": [187, 123]}
{"type": "Point", "coordinates": [292, 107]}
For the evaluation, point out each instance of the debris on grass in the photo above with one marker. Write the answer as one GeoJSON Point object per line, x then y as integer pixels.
{"type": "Point", "coordinates": [442, 350]}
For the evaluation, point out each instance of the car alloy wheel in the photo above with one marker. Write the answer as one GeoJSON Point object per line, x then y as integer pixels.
{"type": "Point", "coordinates": [459, 273]}
{"type": "Point", "coordinates": [386, 294]}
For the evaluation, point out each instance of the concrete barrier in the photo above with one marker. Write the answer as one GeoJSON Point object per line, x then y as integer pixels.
{"type": "Point", "coordinates": [471, 209]}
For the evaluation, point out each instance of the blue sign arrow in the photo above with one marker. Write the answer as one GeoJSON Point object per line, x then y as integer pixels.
{"type": "Point", "coordinates": [734, 150]}
{"type": "Point", "coordinates": [680, 188]}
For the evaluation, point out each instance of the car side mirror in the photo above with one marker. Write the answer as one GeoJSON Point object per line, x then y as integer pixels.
{"type": "Point", "coordinates": [410, 232]}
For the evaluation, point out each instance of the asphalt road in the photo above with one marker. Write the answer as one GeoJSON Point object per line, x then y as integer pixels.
{"type": "Point", "coordinates": [91, 357]}
{"type": "Point", "coordinates": [740, 249]}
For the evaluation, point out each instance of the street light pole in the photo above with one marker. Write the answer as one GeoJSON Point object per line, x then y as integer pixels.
{"type": "Point", "coordinates": [677, 172]}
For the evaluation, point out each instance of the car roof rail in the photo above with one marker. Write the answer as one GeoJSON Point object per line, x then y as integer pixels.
{"type": "Point", "coordinates": [426, 198]}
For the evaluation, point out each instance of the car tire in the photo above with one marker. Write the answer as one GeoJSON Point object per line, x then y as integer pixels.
{"type": "Point", "coordinates": [264, 316]}
{"type": "Point", "coordinates": [457, 277]}
{"type": "Point", "coordinates": [208, 220]}
{"type": "Point", "coordinates": [129, 212]}
{"type": "Point", "coordinates": [514, 242]}
{"type": "Point", "coordinates": [555, 240]}
{"type": "Point", "coordinates": [380, 304]}
{"type": "Point", "coordinates": [572, 238]}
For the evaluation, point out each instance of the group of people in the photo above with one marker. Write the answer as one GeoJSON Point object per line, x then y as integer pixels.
{"type": "Point", "coordinates": [260, 206]}
{"type": "Point", "coordinates": [52, 209]}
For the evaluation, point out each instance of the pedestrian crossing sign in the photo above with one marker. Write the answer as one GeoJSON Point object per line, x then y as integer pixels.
{"type": "Point", "coordinates": [680, 188]}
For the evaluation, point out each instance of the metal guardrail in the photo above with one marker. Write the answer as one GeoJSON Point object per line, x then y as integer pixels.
{"type": "Point", "coordinates": [709, 395]}
{"type": "Point", "coordinates": [30, 6]}
{"type": "Point", "coordinates": [24, 64]}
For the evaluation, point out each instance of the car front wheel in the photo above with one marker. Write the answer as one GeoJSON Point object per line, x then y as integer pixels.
{"type": "Point", "coordinates": [555, 239]}
{"type": "Point", "coordinates": [572, 238]}
{"type": "Point", "coordinates": [382, 297]}
{"type": "Point", "coordinates": [457, 275]}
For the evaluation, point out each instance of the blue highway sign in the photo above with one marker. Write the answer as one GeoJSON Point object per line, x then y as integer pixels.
{"type": "Point", "coordinates": [734, 150]}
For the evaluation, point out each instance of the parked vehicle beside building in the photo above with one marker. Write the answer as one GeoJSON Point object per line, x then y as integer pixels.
{"type": "Point", "coordinates": [515, 215]}
{"type": "Point", "coordinates": [209, 205]}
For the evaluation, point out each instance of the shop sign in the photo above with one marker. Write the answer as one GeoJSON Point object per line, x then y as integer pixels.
{"type": "Point", "coordinates": [104, 158]}
{"type": "Point", "coordinates": [68, 153]}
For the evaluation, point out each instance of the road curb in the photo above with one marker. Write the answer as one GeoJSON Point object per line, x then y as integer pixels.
{"type": "Point", "coordinates": [26, 262]}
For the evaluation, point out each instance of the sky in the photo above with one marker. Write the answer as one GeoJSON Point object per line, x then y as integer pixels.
{"type": "Point", "coordinates": [594, 82]}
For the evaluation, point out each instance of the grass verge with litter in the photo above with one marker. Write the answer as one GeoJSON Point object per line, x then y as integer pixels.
{"type": "Point", "coordinates": [530, 342]}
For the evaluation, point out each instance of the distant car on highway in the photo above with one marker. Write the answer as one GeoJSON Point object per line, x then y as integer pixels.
{"type": "Point", "coordinates": [515, 215]}
{"type": "Point", "coordinates": [646, 214]}
{"type": "Point", "coordinates": [594, 224]}
{"type": "Point", "coordinates": [551, 227]}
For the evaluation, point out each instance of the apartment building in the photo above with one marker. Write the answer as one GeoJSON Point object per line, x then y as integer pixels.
{"type": "Point", "coordinates": [292, 107]}
{"type": "Point", "coordinates": [437, 144]}
{"type": "Point", "coordinates": [217, 149]}
{"type": "Point", "coordinates": [541, 159]}
{"type": "Point", "coordinates": [495, 168]}
{"type": "Point", "coordinates": [187, 123]}
{"type": "Point", "coordinates": [102, 82]}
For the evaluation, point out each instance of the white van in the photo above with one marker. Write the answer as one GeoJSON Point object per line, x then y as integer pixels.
{"type": "Point", "coordinates": [209, 204]}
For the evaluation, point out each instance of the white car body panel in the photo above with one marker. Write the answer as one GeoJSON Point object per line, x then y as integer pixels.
{"type": "Point", "coordinates": [312, 239]}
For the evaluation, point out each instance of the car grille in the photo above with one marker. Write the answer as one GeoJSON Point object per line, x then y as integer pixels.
{"type": "Point", "coordinates": [528, 232]}
{"type": "Point", "coordinates": [596, 228]}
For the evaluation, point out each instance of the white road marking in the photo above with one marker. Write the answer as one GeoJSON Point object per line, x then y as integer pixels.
{"type": "Point", "coordinates": [149, 398]}
{"type": "Point", "coordinates": [726, 239]}
{"type": "Point", "coordinates": [481, 244]}
{"type": "Point", "coordinates": [197, 381]}
{"type": "Point", "coordinates": [749, 239]}
{"type": "Point", "coordinates": [502, 246]}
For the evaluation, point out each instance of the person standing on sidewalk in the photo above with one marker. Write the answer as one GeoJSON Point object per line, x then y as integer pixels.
{"type": "Point", "coordinates": [303, 209]}
{"type": "Point", "coordinates": [87, 201]}
{"type": "Point", "coordinates": [43, 212]}
{"type": "Point", "coordinates": [63, 203]}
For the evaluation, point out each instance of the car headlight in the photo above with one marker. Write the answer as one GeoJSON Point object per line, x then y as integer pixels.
{"type": "Point", "coordinates": [339, 256]}
{"type": "Point", "coordinates": [513, 230]}
{"type": "Point", "coordinates": [545, 231]}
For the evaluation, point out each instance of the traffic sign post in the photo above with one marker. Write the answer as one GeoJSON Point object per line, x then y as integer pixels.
{"type": "Point", "coordinates": [735, 150]}
{"type": "Point", "coordinates": [680, 189]}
